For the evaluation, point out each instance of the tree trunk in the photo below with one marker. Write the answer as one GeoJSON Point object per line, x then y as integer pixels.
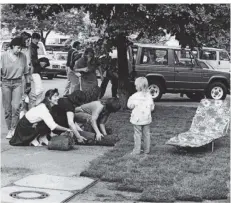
{"type": "Point", "coordinates": [43, 39]}
{"type": "Point", "coordinates": [123, 88]}
{"type": "Point", "coordinates": [46, 36]}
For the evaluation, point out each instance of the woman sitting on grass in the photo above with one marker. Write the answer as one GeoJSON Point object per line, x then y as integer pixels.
{"type": "Point", "coordinates": [96, 114]}
{"type": "Point", "coordinates": [27, 131]}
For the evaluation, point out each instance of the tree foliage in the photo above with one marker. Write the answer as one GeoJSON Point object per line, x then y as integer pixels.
{"type": "Point", "coordinates": [43, 18]}
{"type": "Point", "coordinates": [191, 24]}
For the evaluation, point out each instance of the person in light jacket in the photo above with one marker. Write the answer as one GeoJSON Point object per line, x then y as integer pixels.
{"type": "Point", "coordinates": [142, 105]}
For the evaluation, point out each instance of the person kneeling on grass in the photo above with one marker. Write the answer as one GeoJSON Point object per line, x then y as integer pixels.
{"type": "Point", "coordinates": [64, 112]}
{"type": "Point", "coordinates": [96, 114]}
{"type": "Point", "coordinates": [27, 131]}
{"type": "Point", "coordinates": [142, 104]}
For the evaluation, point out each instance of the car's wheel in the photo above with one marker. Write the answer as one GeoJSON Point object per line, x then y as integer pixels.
{"type": "Point", "coordinates": [216, 90]}
{"type": "Point", "coordinates": [195, 96]}
{"type": "Point", "coordinates": [156, 90]}
{"type": "Point", "coordinates": [50, 77]}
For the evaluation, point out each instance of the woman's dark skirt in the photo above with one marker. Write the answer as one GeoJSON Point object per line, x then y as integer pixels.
{"type": "Point", "coordinates": [25, 132]}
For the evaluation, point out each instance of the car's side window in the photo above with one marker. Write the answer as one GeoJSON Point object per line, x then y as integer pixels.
{"type": "Point", "coordinates": [154, 56]}
{"type": "Point", "coordinates": [208, 55]}
{"type": "Point", "coordinates": [223, 56]}
{"type": "Point", "coordinates": [184, 59]}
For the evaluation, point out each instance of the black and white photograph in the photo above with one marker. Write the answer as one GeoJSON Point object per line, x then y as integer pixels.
{"type": "Point", "coordinates": [116, 102]}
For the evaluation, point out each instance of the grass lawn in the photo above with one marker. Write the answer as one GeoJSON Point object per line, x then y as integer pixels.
{"type": "Point", "coordinates": [167, 174]}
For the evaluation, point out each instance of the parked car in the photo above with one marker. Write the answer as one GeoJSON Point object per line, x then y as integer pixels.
{"type": "Point", "coordinates": [219, 59]}
{"type": "Point", "coordinates": [46, 72]}
{"type": "Point", "coordinates": [58, 62]}
{"type": "Point", "coordinates": [169, 73]}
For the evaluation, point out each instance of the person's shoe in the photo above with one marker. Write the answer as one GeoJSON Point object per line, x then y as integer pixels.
{"type": "Point", "coordinates": [35, 143]}
{"type": "Point", "coordinates": [43, 140]}
{"type": "Point", "coordinates": [10, 134]}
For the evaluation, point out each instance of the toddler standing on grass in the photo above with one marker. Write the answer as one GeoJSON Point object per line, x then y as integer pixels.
{"type": "Point", "coordinates": [142, 105]}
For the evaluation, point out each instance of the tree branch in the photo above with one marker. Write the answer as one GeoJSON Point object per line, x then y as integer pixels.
{"type": "Point", "coordinates": [47, 33]}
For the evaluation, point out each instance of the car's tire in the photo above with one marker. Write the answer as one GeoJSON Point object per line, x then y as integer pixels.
{"type": "Point", "coordinates": [195, 96]}
{"type": "Point", "coordinates": [216, 90]}
{"type": "Point", "coordinates": [50, 77]}
{"type": "Point", "coordinates": [156, 90]}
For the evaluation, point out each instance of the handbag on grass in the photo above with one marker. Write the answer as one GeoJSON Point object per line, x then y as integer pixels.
{"type": "Point", "coordinates": [62, 142]}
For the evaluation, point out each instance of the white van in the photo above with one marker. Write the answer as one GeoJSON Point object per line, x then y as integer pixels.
{"type": "Point", "coordinates": [219, 59]}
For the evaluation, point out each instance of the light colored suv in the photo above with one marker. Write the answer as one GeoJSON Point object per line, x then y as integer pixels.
{"type": "Point", "coordinates": [219, 59]}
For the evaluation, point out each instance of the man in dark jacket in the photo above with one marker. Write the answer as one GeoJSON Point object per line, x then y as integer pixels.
{"type": "Point", "coordinates": [35, 96]}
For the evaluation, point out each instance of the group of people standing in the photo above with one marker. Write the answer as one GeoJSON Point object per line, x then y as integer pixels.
{"type": "Point", "coordinates": [81, 72]}
{"type": "Point", "coordinates": [20, 78]}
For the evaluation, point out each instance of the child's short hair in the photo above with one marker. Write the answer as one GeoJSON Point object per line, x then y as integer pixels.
{"type": "Point", "coordinates": [113, 104]}
{"type": "Point", "coordinates": [141, 84]}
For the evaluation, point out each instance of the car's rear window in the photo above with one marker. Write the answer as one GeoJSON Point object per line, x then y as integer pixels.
{"type": "Point", "coordinates": [208, 55]}
{"type": "Point", "coordinates": [61, 56]}
{"type": "Point", "coordinates": [223, 56]}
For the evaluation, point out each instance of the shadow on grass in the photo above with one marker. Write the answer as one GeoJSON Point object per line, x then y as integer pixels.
{"type": "Point", "coordinates": [166, 174]}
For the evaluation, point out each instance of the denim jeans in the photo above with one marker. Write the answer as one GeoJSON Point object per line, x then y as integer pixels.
{"type": "Point", "coordinates": [12, 91]}
{"type": "Point", "coordinates": [140, 130]}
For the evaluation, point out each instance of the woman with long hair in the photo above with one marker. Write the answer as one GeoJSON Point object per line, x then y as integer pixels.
{"type": "Point", "coordinates": [87, 66]}
{"type": "Point", "coordinates": [27, 130]}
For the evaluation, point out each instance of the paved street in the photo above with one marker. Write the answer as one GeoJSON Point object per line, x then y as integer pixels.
{"type": "Point", "coordinates": [167, 99]}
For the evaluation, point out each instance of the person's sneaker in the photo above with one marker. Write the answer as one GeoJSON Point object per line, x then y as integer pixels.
{"type": "Point", "coordinates": [43, 140]}
{"type": "Point", "coordinates": [35, 143]}
{"type": "Point", "coordinates": [9, 134]}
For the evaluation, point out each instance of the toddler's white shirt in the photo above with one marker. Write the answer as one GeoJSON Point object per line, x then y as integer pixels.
{"type": "Point", "coordinates": [143, 105]}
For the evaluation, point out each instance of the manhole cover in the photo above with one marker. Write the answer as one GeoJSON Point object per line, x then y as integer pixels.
{"type": "Point", "coordinates": [29, 195]}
